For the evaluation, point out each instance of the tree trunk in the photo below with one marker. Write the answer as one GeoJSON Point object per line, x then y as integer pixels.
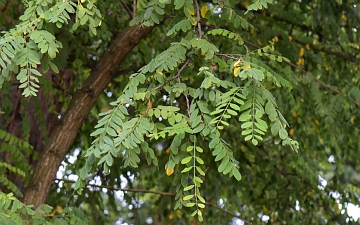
{"type": "Point", "coordinates": [64, 134]}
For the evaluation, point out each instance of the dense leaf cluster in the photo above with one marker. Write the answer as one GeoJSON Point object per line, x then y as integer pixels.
{"type": "Point", "coordinates": [244, 108]}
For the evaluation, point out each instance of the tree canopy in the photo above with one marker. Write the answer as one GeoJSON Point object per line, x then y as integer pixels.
{"type": "Point", "coordinates": [179, 112]}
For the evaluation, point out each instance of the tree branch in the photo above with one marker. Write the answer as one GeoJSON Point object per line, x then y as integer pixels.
{"type": "Point", "coordinates": [157, 193]}
{"type": "Point", "coordinates": [198, 18]}
{"type": "Point", "coordinates": [328, 51]}
{"type": "Point", "coordinates": [174, 77]}
{"type": "Point", "coordinates": [305, 28]}
{"type": "Point", "coordinates": [65, 132]}
{"type": "Point", "coordinates": [127, 9]}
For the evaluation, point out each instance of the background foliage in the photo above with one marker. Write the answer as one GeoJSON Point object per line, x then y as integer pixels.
{"type": "Point", "coordinates": [227, 111]}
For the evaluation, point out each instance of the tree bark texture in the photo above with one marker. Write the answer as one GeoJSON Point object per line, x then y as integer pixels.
{"type": "Point", "coordinates": [64, 134]}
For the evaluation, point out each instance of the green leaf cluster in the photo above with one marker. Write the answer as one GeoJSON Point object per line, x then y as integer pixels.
{"type": "Point", "coordinates": [12, 212]}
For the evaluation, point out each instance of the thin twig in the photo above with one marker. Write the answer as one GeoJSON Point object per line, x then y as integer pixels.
{"type": "Point", "coordinates": [127, 9]}
{"type": "Point", "coordinates": [227, 56]}
{"type": "Point", "coordinates": [186, 96]}
{"type": "Point", "coordinates": [226, 211]}
{"type": "Point", "coordinates": [134, 8]}
{"type": "Point", "coordinates": [89, 51]}
{"type": "Point", "coordinates": [174, 77]}
{"type": "Point", "coordinates": [122, 189]}
{"type": "Point", "coordinates": [153, 192]}
{"type": "Point", "coordinates": [187, 103]}
{"type": "Point", "coordinates": [198, 18]}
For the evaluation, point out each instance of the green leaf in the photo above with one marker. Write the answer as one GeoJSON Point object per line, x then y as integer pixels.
{"type": "Point", "coordinates": [187, 169]}
{"type": "Point", "coordinates": [223, 164]}
{"type": "Point", "coordinates": [187, 188]}
{"type": "Point", "coordinates": [109, 160]}
{"type": "Point", "coordinates": [199, 160]}
{"type": "Point", "coordinates": [236, 173]}
{"type": "Point", "coordinates": [188, 197]}
{"type": "Point", "coordinates": [283, 134]}
{"type": "Point", "coordinates": [186, 160]}
{"type": "Point", "coordinates": [246, 125]}
{"type": "Point", "coordinates": [189, 204]}
{"type": "Point", "coordinates": [254, 141]}
{"type": "Point", "coordinates": [275, 128]}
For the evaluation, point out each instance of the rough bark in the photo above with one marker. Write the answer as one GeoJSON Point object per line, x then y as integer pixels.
{"type": "Point", "coordinates": [63, 136]}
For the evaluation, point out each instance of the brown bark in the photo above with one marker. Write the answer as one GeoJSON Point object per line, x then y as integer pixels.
{"type": "Point", "coordinates": [63, 136]}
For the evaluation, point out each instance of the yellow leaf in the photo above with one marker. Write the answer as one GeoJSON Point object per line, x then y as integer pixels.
{"type": "Point", "coordinates": [59, 208]}
{"type": "Point", "coordinates": [236, 64]}
{"type": "Point", "coordinates": [317, 122]}
{"type": "Point", "coordinates": [169, 172]}
{"type": "Point", "coordinates": [246, 5]}
{"type": "Point", "coordinates": [302, 61]}
{"type": "Point", "coordinates": [236, 69]}
{"type": "Point", "coordinates": [352, 118]}
{"type": "Point", "coordinates": [191, 12]}
{"type": "Point", "coordinates": [314, 42]}
{"type": "Point", "coordinates": [105, 108]}
{"type": "Point", "coordinates": [276, 39]}
{"type": "Point", "coordinates": [293, 113]}
{"type": "Point", "coordinates": [204, 9]}
{"type": "Point", "coordinates": [179, 213]}
{"type": "Point", "coordinates": [343, 16]}
{"type": "Point", "coordinates": [246, 67]}
{"type": "Point", "coordinates": [53, 213]}
{"type": "Point", "coordinates": [291, 132]}
{"type": "Point", "coordinates": [302, 52]}
{"type": "Point", "coordinates": [298, 62]}
{"type": "Point", "coordinates": [307, 46]}
{"type": "Point", "coordinates": [118, 132]}
{"type": "Point", "coordinates": [194, 23]}
{"type": "Point", "coordinates": [168, 150]}
{"type": "Point", "coordinates": [290, 38]}
{"type": "Point", "coordinates": [149, 105]}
